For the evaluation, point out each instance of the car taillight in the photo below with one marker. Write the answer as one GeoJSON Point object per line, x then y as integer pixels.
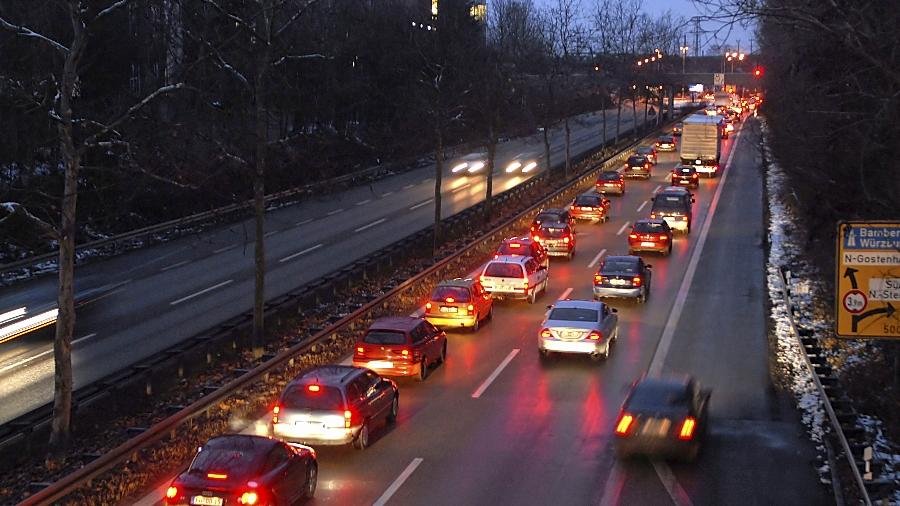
{"type": "Point", "coordinates": [172, 492]}
{"type": "Point", "coordinates": [598, 279]}
{"type": "Point", "coordinates": [482, 278]}
{"type": "Point", "coordinates": [470, 309]}
{"type": "Point", "coordinates": [566, 239]}
{"type": "Point", "coordinates": [536, 238]}
{"type": "Point", "coordinates": [427, 308]}
{"type": "Point", "coordinates": [636, 281]}
{"type": "Point", "coordinates": [646, 165]}
{"type": "Point", "coordinates": [595, 335]}
{"type": "Point", "coordinates": [360, 350]}
{"type": "Point", "coordinates": [662, 237]}
{"type": "Point", "coordinates": [217, 476]}
{"type": "Point", "coordinates": [348, 418]}
{"type": "Point", "coordinates": [623, 426]}
{"type": "Point", "coordinates": [249, 497]}
{"type": "Point", "coordinates": [695, 176]}
{"type": "Point", "coordinates": [652, 216]}
{"type": "Point", "coordinates": [275, 411]}
{"type": "Point", "coordinates": [525, 284]}
{"type": "Point", "coordinates": [632, 236]}
{"type": "Point", "coordinates": [546, 333]}
{"type": "Point", "coordinates": [687, 429]}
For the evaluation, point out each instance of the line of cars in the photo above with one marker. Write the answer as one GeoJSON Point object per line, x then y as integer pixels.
{"type": "Point", "coordinates": [344, 404]}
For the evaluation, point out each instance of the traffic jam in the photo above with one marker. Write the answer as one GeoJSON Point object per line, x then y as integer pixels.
{"type": "Point", "coordinates": [360, 401]}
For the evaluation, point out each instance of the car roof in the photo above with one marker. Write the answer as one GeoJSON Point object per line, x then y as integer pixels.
{"type": "Point", "coordinates": [327, 375]}
{"type": "Point", "coordinates": [644, 149]}
{"type": "Point", "coordinates": [460, 282]}
{"type": "Point", "coordinates": [637, 156]}
{"type": "Point", "coordinates": [510, 259]}
{"type": "Point", "coordinates": [666, 390]}
{"type": "Point", "coordinates": [244, 442]}
{"type": "Point", "coordinates": [554, 224]}
{"type": "Point", "coordinates": [404, 323]}
{"type": "Point", "coordinates": [553, 210]}
{"type": "Point", "coordinates": [524, 239]}
{"type": "Point", "coordinates": [610, 173]}
{"type": "Point", "coordinates": [579, 304]}
{"type": "Point", "coordinates": [622, 258]}
{"type": "Point", "coordinates": [674, 189]}
{"type": "Point", "coordinates": [655, 221]}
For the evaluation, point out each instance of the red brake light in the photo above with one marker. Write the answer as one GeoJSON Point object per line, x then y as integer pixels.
{"type": "Point", "coordinates": [566, 239]}
{"type": "Point", "coordinates": [313, 388]}
{"type": "Point", "coordinates": [275, 411]}
{"type": "Point", "coordinates": [172, 492]}
{"type": "Point", "coordinates": [249, 497]}
{"type": "Point", "coordinates": [687, 429]}
{"type": "Point", "coordinates": [662, 237]}
{"type": "Point", "coordinates": [360, 350]}
{"type": "Point", "coordinates": [217, 476]}
{"type": "Point", "coordinates": [624, 424]}
{"type": "Point", "coordinates": [598, 279]}
{"type": "Point", "coordinates": [404, 352]}
{"type": "Point", "coordinates": [536, 238]}
{"type": "Point", "coordinates": [595, 335]}
{"type": "Point", "coordinates": [515, 245]}
{"type": "Point", "coordinates": [632, 236]}
{"type": "Point", "coordinates": [636, 281]}
{"type": "Point", "coordinates": [427, 310]}
{"type": "Point", "coordinates": [348, 417]}
{"type": "Point", "coordinates": [471, 309]}
{"type": "Point", "coordinates": [450, 300]}
{"type": "Point", "coordinates": [546, 333]}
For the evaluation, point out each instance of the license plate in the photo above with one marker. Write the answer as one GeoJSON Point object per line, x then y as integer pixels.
{"type": "Point", "coordinates": [381, 364]}
{"type": "Point", "coordinates": [552, 243]}
{"type": "Point", "coordinates": [648, 244]}
{"type": "Point", "coordinates": [656, 427]}
{"type": "Point", "coordinates": [310, 424]}
{"type": "Point", "coordinates": [207, 501]}
{"type": "Point", "coordinates": [609, 184]}
{"type": "Point", "coordinates": [571, 334]}
{"type": "Point", "coordinates": [618, 282]}
{"type": "Point", "coordinates": [587, 208]}
{"type": "Point", "coordinates": [448, 309]}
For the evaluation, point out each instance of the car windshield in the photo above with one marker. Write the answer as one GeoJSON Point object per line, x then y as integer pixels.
{"type": "Point", "coordinates": [587, 200]}
{"type": "Point", "coordinates": [657, 396]}
{"type": "Point", "coordinates": [554, 232]}
{"type": "Point", "coordinates": [609, 176]}
{"type": "Point", "coordinates": [503, 270]}
{"type": "Point", "coordinates": [457, 293]}
{"type": "Point", "coordinates": [620, 266]}
{"type": "Point", "coordinates": [636, 160]}
{"type": "Point", "coordinates": [649, 227]}
{"type": "Point", "coordinates": [574, 314]}
{"type": "Point", "coordinates": [313, 397]}
{"type": "Point", "coordinates": [513, 248]}
{"type": "Point", "coordinates": [236, 464]}
{"type": "Point", "coordinates": [384, 337]}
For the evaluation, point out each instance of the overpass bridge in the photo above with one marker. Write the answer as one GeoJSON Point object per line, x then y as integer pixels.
{"type": "Point", "coordinates": [677, 80]}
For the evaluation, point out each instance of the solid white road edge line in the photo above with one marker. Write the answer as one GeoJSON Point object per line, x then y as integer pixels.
{"type": "Point", "coordinates": [642, 205]}
{"type": "Point", "coordinates": [43, 353]}
{"type": "Point", "coordinates": [386, 496]}
{"type": "Point", "coordinates": [201, 292]}
{"type": "Point", "coordinates": [496, 373]}
{"type": "Point", "coordinates": [303, 252]}
{"type": "Point", "coordinates": [623, 228]}
{"type": "Point", "coordinates": [370, 225]}
{"type": "Point", "coordinates": [676, 493]}
{"type": "Point", "coordinates": [597, 258]}
{"type": "Point", "coordinates": [566, 293]}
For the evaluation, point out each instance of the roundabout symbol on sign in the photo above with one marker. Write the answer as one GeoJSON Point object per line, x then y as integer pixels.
{"type": "Point", "coordinates": [855, 301]}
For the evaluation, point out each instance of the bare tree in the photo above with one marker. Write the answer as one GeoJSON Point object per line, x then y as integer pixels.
{"type": "Point", "coordinates": [565, 34]}
{"type": "Point", "coordinates": [76, 137]}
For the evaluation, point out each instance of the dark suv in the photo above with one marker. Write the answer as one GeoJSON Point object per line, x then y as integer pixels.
{"type": "Point", "coordinates": [637, 166]}
{"type": "Point", "coordinates": [552, 215]}
{"type": "Point", "coordinates": [674, 207]}
{"type": "Point", "coordinates": [523, 246]}
{"type": "Point", "coordinates": [334, 405]}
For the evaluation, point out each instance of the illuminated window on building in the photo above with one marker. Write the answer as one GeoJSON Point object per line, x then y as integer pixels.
{"type": "Point", "coordinates": [478, 12]}
{"type": "Point", "coordinates": [434, 7]}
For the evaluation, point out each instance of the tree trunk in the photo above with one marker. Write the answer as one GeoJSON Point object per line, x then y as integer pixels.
{"type": "Point", "coordinates": [547, 149]}
{"type": "Point", "coordinates": [489, 191]}
{"type": "Point", "coordinates": [646, 102]}
{"type": "Point", "coordinates": [568, 168]}
{"type": "Point", "coordinates": [605, 137]}
{"type": "Point", "coordinates": [263, 25]}
{"type": "Point", "coordinates": [65, 299]}
{"type": "Point", "coordinates": [634, 114]}
{"type": "Point", "coordinates": [438, 183]}
{"type": "Point", "coordinates": [618, 120]}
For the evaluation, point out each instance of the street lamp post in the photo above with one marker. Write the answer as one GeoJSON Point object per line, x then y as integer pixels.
{"type": "Point", "coordinates": [684, 50]}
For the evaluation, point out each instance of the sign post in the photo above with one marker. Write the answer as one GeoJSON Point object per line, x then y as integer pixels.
{"type": "Point", "coordinates": [719, 80]}
{"type": "Point", "coordinates": [868, 280]}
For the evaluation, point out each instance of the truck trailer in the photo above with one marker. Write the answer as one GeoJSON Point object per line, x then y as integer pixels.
{"type": "Point", "coordinates": [701, 144]}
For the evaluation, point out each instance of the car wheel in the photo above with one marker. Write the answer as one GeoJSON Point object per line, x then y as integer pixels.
{"type": "Point", "coordinates": [423, 370]}
{"type": "Point", "coordinates": [533, 297]}
{"type": "Point", "coordinates": [490, 315]}
{"type": "Point", "coordinates": [642, 298]}
{"type": "Point", "coordinates": [477, 324]}
{"type": "Point", "coordinates": [689, 228]}
{"type": "Point", "coordinates": [395, 409]}
{"type": "Point", "coordinates": [600, 357]}
{"type": "Point", "coordinates": [691, 455]}
{"type": "Point", "coordinates": [312, 480]}
{"type": "Point", "coordinates": [443, 353]}
{"type": "Point", "coordinates": [571, 255]}
{"type": "Point", "coordinates": [362, 439]}
{"type": "Point", "coordinates": [669, 251]}
{"type": "Point", "coordinates": [544, 355]}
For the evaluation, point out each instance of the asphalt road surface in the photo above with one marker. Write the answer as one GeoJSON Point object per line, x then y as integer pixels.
{"type": "Point", "coordinates": [542, 434]}
{"type": "Point", "coordinates": [156, 297]}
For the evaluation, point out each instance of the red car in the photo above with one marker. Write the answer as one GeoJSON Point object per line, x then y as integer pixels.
{"type": "Point", "coordinates": [610, 181]}
{"type": "Point", "coordinates": [523, 246]}
{"type": "Point", "coordinates": [557, 238]}
{"type": "Point", "coordinates": [401, 346]}
{"type": "Point", "coordinates": [459, 303]}
{"type": "Point", "coordinates": [650, 235]}
{"type": "Point", "coordinates": [591, 206]}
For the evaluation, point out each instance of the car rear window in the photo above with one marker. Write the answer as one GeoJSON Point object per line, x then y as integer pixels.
{"type": "Point", "coordinates": [668, 203]}
{"type": "Point", "coordinates": [326, 398]}
{"type": "Point", "coordinates": [503, 270]}
{"type": "Point", "coordinates": [657, 397]}
{"type": "Point", "coordinates": [587, 200]}
{"type": "Point", "coordinates": [685, 170]}
{"type": "Point", "coordinates": [384, 337]}
{"type": "Point", "coordinates": [666, 139]}
{"type": "Point", "coordinates": [457, 293]}
{"type": "Point", "coordinates": [542, 217]}
{"type": "Point", "coordinates": [644, 150]}
{"type": "Point", "coordinates": [636, 160]}
{"type": "Point", "coordinates": [574, 314]}
{"type": "Point", "coordinates": [554, 232]}
{"type": "Point", "coordinates": [609, 176]}
{"type": "Point", "coordinates": [621, 266]}
{"type": "Point", "coordinates": [645, 227]}
{"type": "Point", "coordinates": [237, 465]}
{"type": "Point", "coordinates": [514, 248]}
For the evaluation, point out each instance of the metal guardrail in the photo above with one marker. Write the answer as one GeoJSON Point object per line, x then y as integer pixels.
{"type": "Point", "coordinates": [417, 286]}
{"type": "Point", "coordinates": [818, 373]}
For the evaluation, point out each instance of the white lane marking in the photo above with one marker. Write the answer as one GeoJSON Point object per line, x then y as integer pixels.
{"type": "Point", "coordinates": [420, 204]}
{"type": "Point", "coordinates": [304, 222]}
{"type": "Point", "coordinates": [363, 202]}
{"type": "Point", "coordinates": [642, 205]}
{"type": "Point", "coordinates": [566, 293]}
{"type": "Point", "coordinates": [662, 349]}
{"type": "Point", "coordinates": [271, 232]}
{"type": "Point", "coordinates": [496, 373]}
{"type": "Point", "coordinates": [336, 211]}
{"type": "Point", "coordinates": [678, 495]}
{"type": "Point", "coordinates": [658, 187]}
{"type": "Point", "coordinates": [385, 194]}
{"type": "Point", "coordinates": [614, 484]}
{"type": "Point", "coordinates": [303, 252]}
{"type": "Point", "coordinates": [624, 226]}
{"type": "Point", "coordinates": [42, 354]}
{"type": "Point", "coordinates": [179, 264]}
{"type": "Point", "coordinates": [201, 292]}
{"type": "Point", "coordinates": [597, 258]}
{"type": "Point", "coordinates": [224, 249]}
{"type": "Point", "coordinates": [461, 188]}
{"type": "Point", "coordinates": [386, 496]}
{"type": "Point", "coordinates": [370, 225]}
{"type": "Point", "coordinates": [407, 187]}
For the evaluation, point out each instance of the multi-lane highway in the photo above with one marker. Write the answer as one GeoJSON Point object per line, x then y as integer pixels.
{"type": "Point", "coordinates": [155, 297]}
{"type": "Point", "coordinates": [494, 425]}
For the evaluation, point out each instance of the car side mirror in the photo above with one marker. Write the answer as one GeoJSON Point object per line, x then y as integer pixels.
{"type": "Point", "coordinates": [613, 310]}
{"type": "Point", "coordinates": [693, 201]}
{"type": "Point", "coordinates": [652, 199]}
{"type": "Point", "coordinates": [649, 266]}
{"type": "Point", "coordinates": [549, 306]}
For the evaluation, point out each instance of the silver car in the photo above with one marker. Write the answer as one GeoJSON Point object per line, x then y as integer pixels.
{"type": "Point", "coordinates": [578, 326]}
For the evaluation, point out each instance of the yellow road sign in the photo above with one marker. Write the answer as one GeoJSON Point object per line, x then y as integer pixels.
{"type": "Point", "coordinates": [868, 280]}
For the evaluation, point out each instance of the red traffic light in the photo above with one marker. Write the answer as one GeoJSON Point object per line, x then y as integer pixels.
{"type": "Point", "coordinates": [758, 72]}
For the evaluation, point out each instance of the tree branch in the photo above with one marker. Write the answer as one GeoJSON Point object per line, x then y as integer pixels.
{"type": "Point", "coordinates": [11, 209]}
{"type": "Point", "coordinates": [131, 110]}
{"type": "Point", "coordinates": [26, 32]}
{"type": "Point", "coordinates": [112, 8]}
{"type": "Point", "coordinates": [313, 56]}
